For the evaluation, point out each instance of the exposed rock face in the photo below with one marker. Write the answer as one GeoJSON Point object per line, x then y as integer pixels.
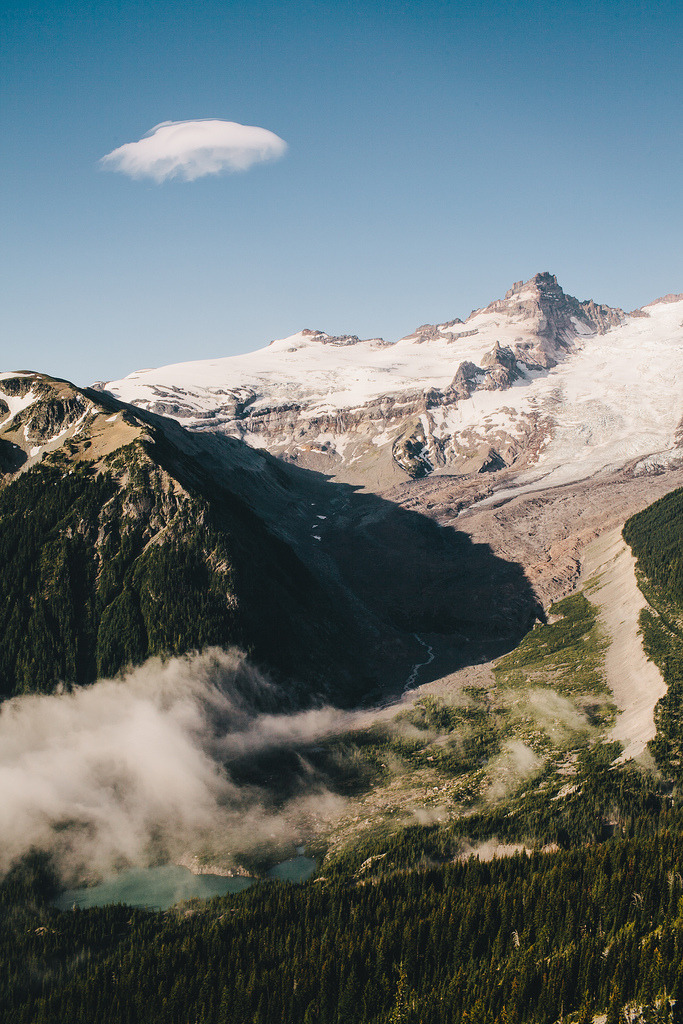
{"type": "Point", "coordinates": [504, 367]}
{"type": "Point", "coordinates": [341, 340]}
{"type": "Point", "coordinates": [459, 397]}
{"type": "Point", "coordinates": [670, 297]}
{"type": "Point", "coordinates": [51, 416]}
{"type": "Point", "coordinates": [499, 370]}
{"type": "Point", "coordinates": [411, 452]}
{"type": "Point", "coordinates": [37, 412]}
{"type": "Point", "coordinates": [466, 380]}
{"type": "Point", "coordinates": [602, 317]}
{"type": "Point", "coordinates": [543, 295]}
{"type": "Point", "coordinates": [492, 462]}
{"type": "Point", "coordinates": [20, 386]}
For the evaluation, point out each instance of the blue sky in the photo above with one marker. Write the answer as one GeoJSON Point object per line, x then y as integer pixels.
{"type": "Point", "coordinates": [437, 152]}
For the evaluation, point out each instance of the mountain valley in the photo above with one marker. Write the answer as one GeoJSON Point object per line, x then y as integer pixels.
{"type": "Point", "coordinates": [410, 606]}
{"type": "Point", "coordinates": [136, 500]}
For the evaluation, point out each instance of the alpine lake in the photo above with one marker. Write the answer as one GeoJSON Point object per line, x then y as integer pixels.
{"type": "Point", "coordinates": [159, 888]}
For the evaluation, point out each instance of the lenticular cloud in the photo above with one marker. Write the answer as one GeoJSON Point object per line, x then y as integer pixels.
{"type": "Point", "coordinates": [193, 149]}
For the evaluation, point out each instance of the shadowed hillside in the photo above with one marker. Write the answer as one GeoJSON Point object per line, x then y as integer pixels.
{"type": "Point", "coordinates": [122, 536]}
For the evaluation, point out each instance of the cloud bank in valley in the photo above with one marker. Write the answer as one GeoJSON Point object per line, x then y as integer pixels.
{"type": "Point", "coordinates": [192, 149]}
{"type": "Point", "coordinates": [131, 770]}
{"type": "Point", "coordinates": [198, 756]}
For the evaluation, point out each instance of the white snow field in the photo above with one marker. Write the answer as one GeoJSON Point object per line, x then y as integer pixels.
{"type": "Point", "coordinates": [615, 397]}
{"type": "Point", "coordinates": [620, 398]}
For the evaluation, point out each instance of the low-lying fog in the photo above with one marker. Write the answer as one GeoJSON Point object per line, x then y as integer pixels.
{"type": "Point", "coordinates": [134, 769]}
{"type": "Point", "coordinates": [203, 757]}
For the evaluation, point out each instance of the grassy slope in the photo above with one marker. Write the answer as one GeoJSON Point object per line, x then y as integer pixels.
{"type": "Point", "coordinates": [514, 745]}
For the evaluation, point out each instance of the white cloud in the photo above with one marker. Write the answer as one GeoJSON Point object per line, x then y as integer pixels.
{"type": "Point", "coordinates": [136, 770]}
{"type": "Point", "coordinates": [192, 149]}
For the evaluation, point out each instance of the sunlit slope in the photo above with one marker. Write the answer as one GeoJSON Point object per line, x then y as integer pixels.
{"type": "Point", "coordinates": [537, 381]}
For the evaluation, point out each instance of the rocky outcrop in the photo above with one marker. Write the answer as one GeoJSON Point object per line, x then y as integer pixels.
{"type": "Point", "coordinates": [411, 452]}
{"type": "Point", "coordinates": [49, 417]}
{"type": "Point", "coordinates": [502, 368]}
{"type": "Point", "coordinates": [493, 461]}
{"type": "Point", "coordinates": [466, 380]}
{"type": "Point", "coordinates": [669, 297]}
{"type": "Point", "coordinates": [602, 317]}
{"type": "Point", "coordinates": [499, 369]}
{"type": "Point", "coordinates": [20, 386]}
{"type": "Point", "coordinates": [340, 340]}
{"type": "Point", "coordinates": [429, 331]}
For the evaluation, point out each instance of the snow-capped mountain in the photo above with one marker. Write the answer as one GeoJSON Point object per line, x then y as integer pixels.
{"type": "Point", "coordinates": [538, 381]}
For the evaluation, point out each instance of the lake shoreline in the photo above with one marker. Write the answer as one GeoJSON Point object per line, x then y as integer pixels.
{"type": "Point", "coordinates": [198, 867]}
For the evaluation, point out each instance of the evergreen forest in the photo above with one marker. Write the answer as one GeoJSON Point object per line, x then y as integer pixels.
{"type": "Point", "coordinates": [586, 918]}
{"type": "Point", "coordinates": [107, 564]}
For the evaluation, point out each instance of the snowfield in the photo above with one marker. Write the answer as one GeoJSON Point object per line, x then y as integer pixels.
{"type": "Point", "coordinates": [620, 398]}
{"type": "Point", "coordinates": [313, 370]}
{"type": "Point", "coordinates": [613, 397]}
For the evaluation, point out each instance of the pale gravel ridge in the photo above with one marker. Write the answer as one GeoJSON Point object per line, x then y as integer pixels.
{"type": "Point", "coordinates": [635, 681]}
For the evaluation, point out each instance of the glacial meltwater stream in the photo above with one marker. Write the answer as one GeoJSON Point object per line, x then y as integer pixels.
{"type": "Point", "coordinates": [161, 887]}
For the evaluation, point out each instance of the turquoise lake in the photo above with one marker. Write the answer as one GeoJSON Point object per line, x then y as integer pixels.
{"type": "Point", "coordinates": [161, 887]}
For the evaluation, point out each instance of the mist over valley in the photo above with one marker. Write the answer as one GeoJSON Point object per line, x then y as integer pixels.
{"type": "Point", "coordinates": [253, 628]}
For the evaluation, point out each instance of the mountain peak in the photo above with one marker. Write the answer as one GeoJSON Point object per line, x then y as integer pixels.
{"type": "Point", "coordinates": [542, 294]}
{"type": "Point", "coordinates": [544, 281]}
{"type": "Point", "coordinates": [533, 295]}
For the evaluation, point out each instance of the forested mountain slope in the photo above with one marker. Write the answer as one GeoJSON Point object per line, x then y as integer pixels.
{"type": "Point", "coordinates": [656, 538]}
{"type": "Point", "coordinates": [414, 935]}
{"type": "Point", "coordinates": [116, 545]}
{"type": "Point", "coordinates": [123, 536]}
{"type": "Point", "coordinates": [401, 928]}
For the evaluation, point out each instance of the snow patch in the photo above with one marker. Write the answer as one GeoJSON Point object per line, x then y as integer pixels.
{"type": "Point", "coordinates": [16, 404]}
